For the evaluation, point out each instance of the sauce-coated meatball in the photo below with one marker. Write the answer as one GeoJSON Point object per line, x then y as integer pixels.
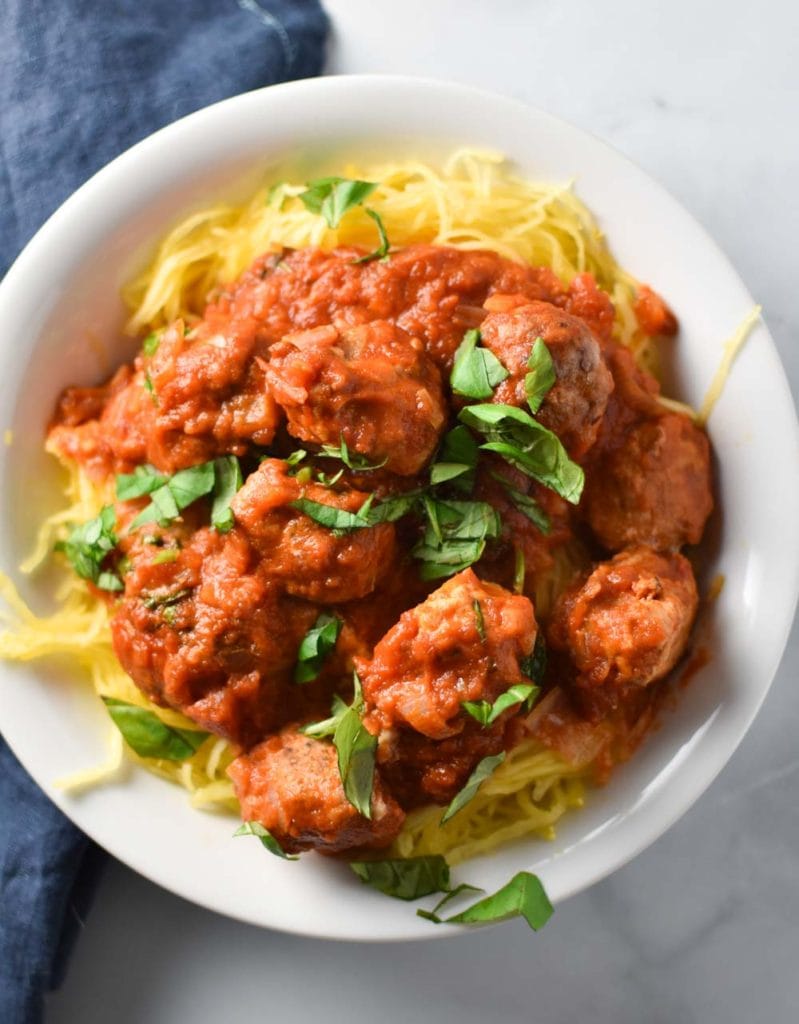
{"type": "Point", "coordinates": [648, 480]}
{"type": "Point", "coordinates": [628, 623]}
{"type": "Point", "coordinates": [574, 406]}
{"type": "Point", "coordinates": [464, 642]}
{"type": "Point", "coordinates": [372, 385]}
{"type": "Point", "coordinates": [272, 785]}
{"type": "Point", "coordinates": [207, 634]}
{"type": "Point", "coordinates": [306, 559]}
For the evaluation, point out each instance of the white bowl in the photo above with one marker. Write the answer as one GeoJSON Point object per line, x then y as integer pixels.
{"type": "Point", "coordinates": [60, 315]}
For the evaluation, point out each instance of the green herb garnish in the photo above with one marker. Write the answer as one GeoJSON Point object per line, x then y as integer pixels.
{"type": "Point", "coordinates": [332, 197]}
{"type": "Point", "coordinates": [150, 344]}
{"type": "Point", "coordinates": [526, 444]}
{"type": "Point", "coordinates": [354, 462]}
{"type": "Point", "coordinates": [405, 879]}
{"type": "Point", "coordinates": [523, 896]}
{"type": "Point", "coordinates": [148, 736]}
{"type": "Point", "coordinates": [381, 252]}
{"type": "Point", "coordinates": [476, 371]}
{"type": "Point", "coordinates": [525, 504]}
{"type": "Point", "coordinates": [486, 713]}
{"type": "Point", "coordinates": [355, 747]}
{"type": "Point", "coordinates": [535, 665]}
{"type": "Point", "coordinates": [456, 461]}
{"type": "Point", "coordinates": [484, 769]}
{"type": "Point", "coordinates": [455, 535]}
{"type": "Point", "coordinates": [88, 544]}
{"type": "Point", "coordinates": [268, 841]}
{"type": "Point", "coordinates": [317, 643]}
{"type": "Point", "coordinates": [541, 376]}
{"type": "Point", "coordinates": [143, 480]}
{"type": "Point", "coordinates": [227, 481]}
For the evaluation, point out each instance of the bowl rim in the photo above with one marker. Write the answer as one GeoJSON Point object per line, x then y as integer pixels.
{"type": "Point", "coordinates": [70, 211]}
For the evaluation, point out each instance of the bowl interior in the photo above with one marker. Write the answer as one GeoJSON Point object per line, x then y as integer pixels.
{"type": "Point", "coordinates": [62, 320]}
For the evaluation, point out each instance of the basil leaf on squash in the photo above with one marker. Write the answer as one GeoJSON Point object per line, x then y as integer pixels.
{"type": "Point", "coordinates": [523, 896]}
{"type": "Point", "coordinates": [87, 546]}
{"type": "Point", "coordinates": [405, 879]}
{"type": "Point", "coordinates": [268, 841]}
{"type": "Point", "coordinates": [541, 376]}
{"type": "Point", "coordinates": [475, 371]}
{"type": "Point", "coordinates": [148, 736]}
{"type": "Point", "coordinates": [381, 252]}
{"type": "Point", "coordinates": [332, 197]}
{"type": "Point", "coordinates": [143, 480]}
{"type": "Point", "coordinates": [317, 643]}
{"type": "Point", "coordinates": [484, 770]}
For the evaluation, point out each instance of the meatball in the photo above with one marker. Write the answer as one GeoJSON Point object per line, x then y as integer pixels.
{"type": "Point", "coordinates": [194, 398]}
{"type": "Point", "coordinates": [653, 488]}
{"type": "Point", "coordinates": [372, 385]}
{"type": "Point", "coordinates": [465, 642]}
{"type": "Point", "coordinates": [628, 622]}
{"type": "Point", "coordinates": [208, 635]}
{"type": "Point", "coordinates": [290, 784]}
{"type": "Point", "coordinates": [306, 559]}
{"type": "Point", "coordinates": [573, 408]}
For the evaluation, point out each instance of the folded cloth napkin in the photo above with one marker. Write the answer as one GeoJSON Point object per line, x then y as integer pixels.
{"type": "Point", "coordinates": [80, 81]}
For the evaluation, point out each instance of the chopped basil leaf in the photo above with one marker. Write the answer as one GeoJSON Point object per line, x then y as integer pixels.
{"type": "Point", "coordinates": [519, 571]}
{"type": "Point", "coordinates": [405, 879]}
{"type": "Point", "coordinates": [275, 195]}
{"type": "Point", "coordinates": [526, 505]}
{"type": "Point", "coordinates": [355, 462]}
{"type": "Point", "coordinates": [148, 736]}
{"type": "Point", "coordinates": [486, 713]}
{"type": "Point", "coordinates": [109, 581]}
{"type": "Point", "coordinates": [187, 485]}
{"type": "Point", "coordinates": [150, 344]}
{"type": "Point", "coordinates": [295, 457]}
{"type": "Point", "coordinates": [227, 481]}
{"type": "Point", "coordinates": [535, 665]}
{"type": "Point", "coordinates": [329, 481]}
{"type": "Point", "coordinates": [392, 509]}
{"type": "Point", "coordinates": [441, 472]}
{"type": "Point", "coordinates": [317, 643]}
{"type": "Point", "coordinates": [476, 371]}
{"type": "Point", "coordinates": [143, 480]}
{"type": "Point", "coordinates": [523, 896]}
{"type": "Point", "coordinates": [268, 841]}
{"type": "Point", "coordinates": [332, 197]}
{"type": "Point", "coordinates": [148, 386]}
{"type": "Point", "coordinates": [337, 519]}
{"type": "Point", "coordinates": [88, 544]}
{"type": "Point", "coordinates": [483, 770]}
{"type": "Point", "coordinates": [166, 599]}
{"type": "Point", "coordinates": [381, 252]}
{"type": "Point", "coordinates": [478, 620]}
{"type": "Point", "coordinates": [341, 521]}
{"type": "Point", "coordinates": [179, 491]}
{"type": "Point", "coordinates": [327, 727]}
{"type": "Point", "coordinates": [457, 460]}
{"type": "Point", "coordinates": [165, 555]}
{"type": "Point", "coordinates": [432, 915]}
{"type": "Point", "coordinates": [354, 745]}
{"type": "Point", "coordinates": [356, 748]}
{"type": "Point", "coordinates": [541, 376]}
{"type": "Point", "coordinates": [525, 443]}
{"type": "Point", "coordinates": [455, 535]}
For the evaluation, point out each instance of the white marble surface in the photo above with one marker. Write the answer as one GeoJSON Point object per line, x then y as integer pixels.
{"type": "Point", "coordinates": [703, 926]}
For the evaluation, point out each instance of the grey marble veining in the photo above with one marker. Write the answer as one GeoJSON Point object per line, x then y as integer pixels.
{"type": "Point", "coordinates": [702, 928]}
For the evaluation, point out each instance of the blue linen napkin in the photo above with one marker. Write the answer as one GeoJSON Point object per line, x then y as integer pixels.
{"type": "Point", "coordinates": [80, 81]}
